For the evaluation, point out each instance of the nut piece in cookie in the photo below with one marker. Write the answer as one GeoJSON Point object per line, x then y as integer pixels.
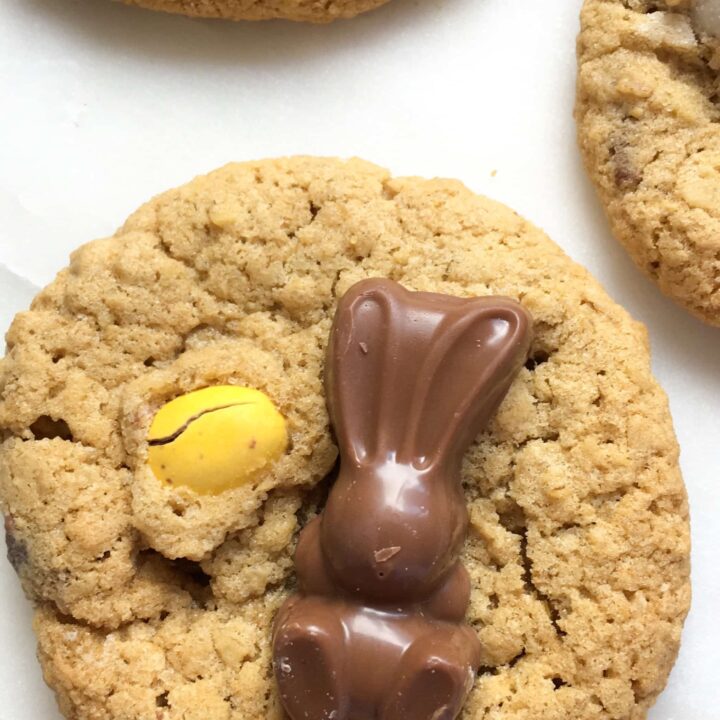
{"type": "Point", "coordinates": [215, 439]}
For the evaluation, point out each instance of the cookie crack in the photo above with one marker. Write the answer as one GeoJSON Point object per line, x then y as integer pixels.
{"type": "Point", "coordinates": [552, 611]}
{"type": "Point", "coordinates": [165, 248]}
{"type": "Point", "coordinates": [69, 619]}
{"type": "Point", "coordinates": [515, 522]}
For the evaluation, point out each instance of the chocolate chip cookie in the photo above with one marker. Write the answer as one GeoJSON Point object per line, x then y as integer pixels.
{"type": "Point", "coordinates": [158, 601]}
{"type": "Point", "coordinates": [647, 112]}
{"type": "Point", "coordinates": [299, 10]}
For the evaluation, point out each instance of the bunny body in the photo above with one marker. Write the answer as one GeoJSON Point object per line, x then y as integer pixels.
{"type": "Point", "coordinates": [376, 631]}
{"type": "Point", "coordinates": [395, 551]}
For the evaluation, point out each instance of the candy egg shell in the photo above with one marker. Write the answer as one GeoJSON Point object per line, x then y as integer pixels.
{"type": "Point", "coordinates": [215, 439]}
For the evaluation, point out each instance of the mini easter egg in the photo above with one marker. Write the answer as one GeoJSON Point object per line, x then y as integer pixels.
{"type": "Point", "coordinates": [215, 439]}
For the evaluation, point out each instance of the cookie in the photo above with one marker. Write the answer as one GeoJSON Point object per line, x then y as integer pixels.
{"type": "Point", "coordinates": [648, 129]}
{"type": "Point", "coordinates": [299, 10]}
{"type": "Point", "coordinates": [155, 601]}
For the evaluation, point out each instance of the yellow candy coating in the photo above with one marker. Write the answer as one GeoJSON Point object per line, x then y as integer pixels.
{"type": "Point", "coordinates": [215, 439]}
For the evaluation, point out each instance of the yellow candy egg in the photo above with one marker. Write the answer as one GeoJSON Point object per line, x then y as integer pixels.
{"type": "Point", "coordinates": [215, 439]}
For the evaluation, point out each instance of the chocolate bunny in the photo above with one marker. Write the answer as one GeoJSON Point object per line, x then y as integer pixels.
{"type": "Point", "coordinates": [376, 631]}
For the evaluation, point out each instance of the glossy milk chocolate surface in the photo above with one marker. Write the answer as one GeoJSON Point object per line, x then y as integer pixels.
{"type": "Point", "coordinates": [376, 630]}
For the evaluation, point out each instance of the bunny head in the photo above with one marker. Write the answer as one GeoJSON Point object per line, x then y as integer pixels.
{"type": "Point", "coordinates": [411, 379]}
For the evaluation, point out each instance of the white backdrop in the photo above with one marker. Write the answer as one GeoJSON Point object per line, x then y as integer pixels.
{"type": "Point", "coordinates": [104, 106]}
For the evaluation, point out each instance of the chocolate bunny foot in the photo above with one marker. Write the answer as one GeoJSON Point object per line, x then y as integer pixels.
{"type": "Point", "coordinates": [309, 663]}
{"type": "Point", "coordinates": [408, 667]}
{"type": "Point", "coordinates": [376, 631]}
{"type": "Point", "coordinates": [435, 678]}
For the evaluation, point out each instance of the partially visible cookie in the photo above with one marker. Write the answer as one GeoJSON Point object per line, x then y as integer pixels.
{"type": "Point", "coordinates": [648, 113]}
{"type": "Point", "coordinates": [155, 602]}
{"type": "Point", "coordinates": [317, 11]}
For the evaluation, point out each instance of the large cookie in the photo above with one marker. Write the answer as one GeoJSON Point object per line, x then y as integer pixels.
{"type": "Point", "coordinates": [301, 10]}
{"type": "Point", "coordinates": [157, 603]}
{"type": "Point", "coordinates": [647, 112]}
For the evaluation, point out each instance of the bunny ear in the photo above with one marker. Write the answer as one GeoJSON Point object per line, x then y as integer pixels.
{"type": "Point", "coordinates": [413, 377]}
{"type": "Point", "coordinates": [477, 350]}
{"type": "Point", "coordinates": [359, 369]}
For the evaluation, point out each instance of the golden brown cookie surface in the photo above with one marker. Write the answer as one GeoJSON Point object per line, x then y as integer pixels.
{"type": "Point", "coordinates": [648, 115]}
{"type": "Point", "coordinates": [157, 603]}
{"type": "Point", "coordinates": [300, 10]}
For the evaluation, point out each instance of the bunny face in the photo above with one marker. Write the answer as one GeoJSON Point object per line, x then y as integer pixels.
{"type": "Point", "coordinates": [391, 532]}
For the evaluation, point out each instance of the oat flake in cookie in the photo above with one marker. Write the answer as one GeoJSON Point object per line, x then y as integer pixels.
{"type": "Point", "coordinates": [157, 601]}
{"type": "Point", "coordinates": [317, 11]}
{"type": "Point", "coordinates": [648, 113]}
